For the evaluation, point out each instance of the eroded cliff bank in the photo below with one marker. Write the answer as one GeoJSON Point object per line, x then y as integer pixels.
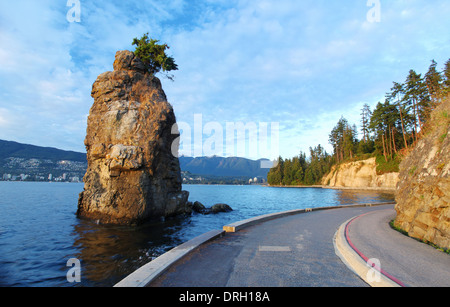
{"type": "Point", "coordinates": [360, 175]}
{"type": "Point", "coordinates": [132, 174]}
{"type": "Point", "coordinates": [423, 194]}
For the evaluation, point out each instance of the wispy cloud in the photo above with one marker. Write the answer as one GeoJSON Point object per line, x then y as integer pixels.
{"type": "Point", "coordinates": [300, 63]}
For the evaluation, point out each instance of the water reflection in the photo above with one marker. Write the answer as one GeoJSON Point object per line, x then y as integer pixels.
{"type": "Point", "coordinates": [110, 253]}
{"type": "Point", "coordinates": [39, 232]}
{"type": "Point", "coordinates": [348, 197]}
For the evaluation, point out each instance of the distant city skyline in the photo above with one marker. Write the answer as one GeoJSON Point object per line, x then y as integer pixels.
{"type": "Point", "coordinates": [300, 64]}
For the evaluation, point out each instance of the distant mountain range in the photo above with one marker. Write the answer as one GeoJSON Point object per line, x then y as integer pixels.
{"type": "Point", "coordinates": [10, 149]}
{"type": "Point", "coordinates": [220, 166]}
{"type": "Point", "coordinates": [210, 166]}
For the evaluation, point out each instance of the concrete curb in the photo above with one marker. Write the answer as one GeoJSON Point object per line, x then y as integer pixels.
{"type": "Point", "coordinates": [234, 227]}
{"type": "Point", "coordinates": [367, 272]}
{"type": "Point", "coordinates": [149, 272]}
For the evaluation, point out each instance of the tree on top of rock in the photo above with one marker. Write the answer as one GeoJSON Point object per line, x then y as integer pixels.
{"type": "Point", "coordinates": [154, 56]}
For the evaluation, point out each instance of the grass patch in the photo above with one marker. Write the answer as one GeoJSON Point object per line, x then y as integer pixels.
{"type": "Point", "coordinates": [403, 232]}
{"type": "Point", "coordinates": [442, 137]}
{"type": "Point", "coordinates": [412, 170]}
{"type": "Point", "coordinates": [391, 166]}
{"type": "Point", "coordinates": [392, 224]}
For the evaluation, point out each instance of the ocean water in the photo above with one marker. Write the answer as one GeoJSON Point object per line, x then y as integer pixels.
{"type": "Point", "coordinates": [39, 231]}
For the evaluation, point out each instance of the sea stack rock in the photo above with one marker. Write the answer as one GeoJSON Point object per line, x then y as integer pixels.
{"type": "Point", "coordinates": [132, 175]}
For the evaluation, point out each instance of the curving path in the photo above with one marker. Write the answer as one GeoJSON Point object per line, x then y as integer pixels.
{"type": "Point", "coordinates": [313, 249]}
{"type": "Point", "coordinates": [405, 260]}
{"type": "Point", "coordinates": [293, 251]}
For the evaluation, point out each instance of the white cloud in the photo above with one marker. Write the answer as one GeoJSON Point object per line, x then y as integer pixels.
{"type": "Point", "coordinates": [286, 61]}
{"type": "Point", "coordinates": [4, 118]}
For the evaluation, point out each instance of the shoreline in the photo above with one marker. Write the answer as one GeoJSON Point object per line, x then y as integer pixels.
{"type": "Point", "coordinates": [387, 189]}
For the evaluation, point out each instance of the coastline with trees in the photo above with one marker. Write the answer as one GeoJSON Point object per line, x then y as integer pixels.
{"type": "Point", "coordinates": [389, 131]}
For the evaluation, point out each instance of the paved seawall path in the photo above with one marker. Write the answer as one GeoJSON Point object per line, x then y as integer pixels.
{"type": "Point", "coordinates": [301, 250]}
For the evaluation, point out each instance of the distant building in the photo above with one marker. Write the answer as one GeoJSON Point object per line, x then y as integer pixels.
{"type": "Point", "coordinates": [257, 180]}
{"type": "Point", "coordinates": [23, 176]}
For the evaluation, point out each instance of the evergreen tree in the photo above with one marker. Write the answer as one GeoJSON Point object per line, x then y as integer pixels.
{"type": "Point", "coordinates": [433, 81]}
{"type": "Point", "coordinates": [154, 56]}
{"type": "Point", "coordinates": [299, 170]}
{"type": "Point", "coordinates": [343, 139]}
{"type": "Point", "coordinates": [417, 97]}
{"type": "Point", "coordinates": [384, 123]}
{"type": "Point", "coordinates": [365, 120]}
{"type": "Point", "coordinates": [397, 93]}
{"type": "Point", "coordinates": [406, 110]}
{"type": "Point", "coordinates": [275, 175]}
{"type": "Point", "coordinates": [288, 173]}
{"type": "Point", "coordinates": [446, 77]}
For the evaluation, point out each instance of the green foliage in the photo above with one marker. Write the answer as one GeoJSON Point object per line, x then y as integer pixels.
{"type": "Point", "coordinates": [443, 137]}
{"type": "Point", "coordinates": [366, 113]}
{"type": "Point", "coordinates": [343, 138]}
{"type": "Point", "coordinates": [433, 80]}
{"type": "Point", "coordinates": [153, 55]}
{"type": "Point", "coordinates": [390, 166]}
{"type": "Point", "coordinates": [388, 132]}
{"type": "Point", "coordinates": [405, 233]}
{"type": "Point", "coordinates": [446, 78]}
{"type": "Point", "coordinates": [301, 171]}
{"type": "Point", "coordinates": [365, 147]}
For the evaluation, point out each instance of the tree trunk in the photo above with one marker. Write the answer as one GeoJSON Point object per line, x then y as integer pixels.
{"type": "Point", "coordinates": [403, 126]}
{"type": "Point", "coordinates": [393, 140]}
{"type": "Point", "coordinates": [415, 119]}
{"type": "Point", "coordinates": [384, 148]}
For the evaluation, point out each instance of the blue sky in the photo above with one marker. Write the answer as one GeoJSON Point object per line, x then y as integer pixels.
{"type": "Point", "coordinates": [300, 63]}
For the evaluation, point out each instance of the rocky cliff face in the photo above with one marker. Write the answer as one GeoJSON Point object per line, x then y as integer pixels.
{"type": "Point", "coordinates": [360, 175]}
{"type": "Point", "coordinates": [132, 174]}
{"type": "Point", "coordinates": [423, 194]}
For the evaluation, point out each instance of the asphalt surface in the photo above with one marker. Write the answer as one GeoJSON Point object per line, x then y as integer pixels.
{"type": "Point", "coordinates": [298, 251]}
{"type": "Point", "coordinates": [413, 263]}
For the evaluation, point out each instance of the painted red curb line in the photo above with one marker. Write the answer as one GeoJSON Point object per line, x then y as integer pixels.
{"type": "Point", "coordinates": [365, 258]}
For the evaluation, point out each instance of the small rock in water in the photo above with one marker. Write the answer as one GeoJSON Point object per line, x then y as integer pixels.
{"type": "Point", "coordinates": [217, 208]}
{"type": "Point", "coordinates": [221, 208]}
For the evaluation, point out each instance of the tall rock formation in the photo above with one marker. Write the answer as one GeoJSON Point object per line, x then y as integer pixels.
{"type": "Point", "coordinates": [132, 174]}
{"type": "Point", "coordinates": [423, 193]}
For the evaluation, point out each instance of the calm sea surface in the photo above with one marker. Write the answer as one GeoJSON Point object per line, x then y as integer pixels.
{"type": "Point", "coordinates": [39, 231]}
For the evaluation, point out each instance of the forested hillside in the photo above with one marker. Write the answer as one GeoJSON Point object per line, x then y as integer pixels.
{"type": "Point", "coordinates": [389, 131]}
{"type": "Point", "coordinates": [10, 149]}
